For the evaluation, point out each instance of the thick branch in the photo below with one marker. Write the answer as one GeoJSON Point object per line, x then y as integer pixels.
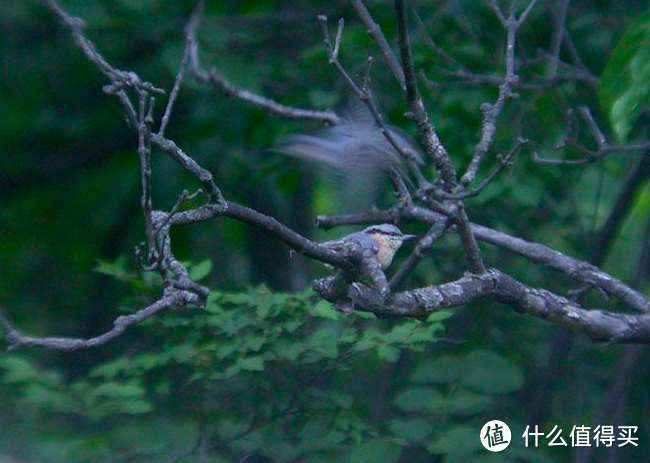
{"type": "Point", "coordinates": [579, 270]}
{"type": "Point", "coordinates": [434, 148]}
{"type": "Point", "coordinates": [599, 325]}
{"type": "Point", "coordinates": [291, 238]}
{"type": "Point", "coordinates": [432, 144]}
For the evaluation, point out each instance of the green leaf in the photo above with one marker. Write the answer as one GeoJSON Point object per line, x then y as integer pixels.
{"type": "Point", "coordinates": [231, 371]}
{"type": "Point", "coordinates": [445, 369]}
{"type": "Point", "coordinates": [415, 429]}
{"type": "Point", "coordinates": [461, 439]}
{"type": "Point", "coordinates": [463, 403]}
{"type": "Point", "coordinates": [316, 435]}
{"type": "Point", "coordinates": [17, 370]}
{"type": "Point", "coordinates": [388, 353]}
{"type": "Point", "coordinates": [116, 269]}
{"type": "Point", "coordinates": [111, 369]}
{"type": "Point", "coordinates": [625, 84]}
{"type": "Point", "coordinates": [324, 309]}
{"type": "Point", "coordinates": [325, 343]}
{"type": "Point", "coordinates": [440, 315]}
{"type": "Point", "coordinates": [402, 332]}
{"type": "Point", "coordinates": [373, 452]}
{"type": "Point", "coordinates": [200, 270]}
{"type": "Point", "coordinates": [134, 407]}
{"type": "Point", "coordinates": [118, 390]}
{"type": "Point", "coordinates": [263, 307]}
{"type": "Point", "coordinates": [42, 396]}
{"type": "Point", "coordinates": [183, 352]}
{"type": "Point", "coordinates": [238, 298]}
{"type": "Point", "coordinates": [489, 372]}
{"type": "Point", "coordinates": [338, 399]}
{"type": "Point", "coordinates": [251, 363]}
{"type": "Point", "coordinates": [418, 399]}
{"type": "Point", "coordinates": [149, 361]}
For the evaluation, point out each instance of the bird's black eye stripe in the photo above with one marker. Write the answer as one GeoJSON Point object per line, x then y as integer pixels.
{"type": "Point", "coordinates": [384, 232]}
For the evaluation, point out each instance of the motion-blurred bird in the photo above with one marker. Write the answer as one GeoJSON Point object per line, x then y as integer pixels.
{"type": "Point", "coordinates": [356, 148]}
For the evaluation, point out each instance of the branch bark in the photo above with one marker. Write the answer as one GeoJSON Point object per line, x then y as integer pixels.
{"type": "Point", "coordinates": [599, 325]}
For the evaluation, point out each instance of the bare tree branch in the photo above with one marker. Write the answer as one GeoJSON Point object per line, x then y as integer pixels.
{"type": "Point", "coordinates": [589, 156]}
{"type": "Point", "coordinates": [491, 111]}
{"type": "Point", "coordinates": [503, 162]}
{"type": "Point", "coordinates": [479, 283]}
{"type": "Point", "coordinates": [579, 270]}
{"type": "Point", "coordinates": [214, 78]}
{"type": "Point", "coordinates": [291, 238]}
{"type": "Point", "coordinates": [558, 34]}
{"type": "Point", "coordinates": [173, 300]}
{"type": "Point", "coordinates": [599, 325]}
{"type": "Point", "coordinates": [424, 245]}
{"type": "Point", "coordinates": [145, 121]}
{"type": "Point", "coordinates": [364, 94]}
{"type": "Point", "coordinates": [375, 31]}
{"type": "Point", "coordinates": [432, 144]}
{"type": "Point", "coordinates": [179, 78]}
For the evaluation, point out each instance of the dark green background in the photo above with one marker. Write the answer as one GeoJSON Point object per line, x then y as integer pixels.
{"type": "Point", "coordinates": [69, 199]}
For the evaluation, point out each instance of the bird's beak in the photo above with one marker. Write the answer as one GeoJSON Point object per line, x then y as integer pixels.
{"type": "Point", "coordinates": [408, 237]}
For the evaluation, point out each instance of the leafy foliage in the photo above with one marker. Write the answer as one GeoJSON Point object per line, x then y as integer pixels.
{"type": "Point", "coordinates": [256, 363]}
{"type": "Point", "coordinates": [625, 85]}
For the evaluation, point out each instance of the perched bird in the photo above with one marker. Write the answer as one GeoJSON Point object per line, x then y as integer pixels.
{"type": "Point", "coordinates": [378, 245]}
{"type": "Point", "coordinates": [378, 241]}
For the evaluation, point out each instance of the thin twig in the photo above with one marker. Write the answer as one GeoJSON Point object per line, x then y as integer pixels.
{"type": "Point", "coordinates": [366, 96]}
{"type": "Point", "coordinates": [177, 85]}
{"type": "Point", "coordinates": [491, 111]}
{"type": "Point", "coordinates": [433, 146]}
{"type": "Point", "coordinates": [560, 13]}
{"type": "Point", "coordinates": [214, 78]}
{"type": "Point", "coordinates": [144, 153]}
{"type": "Point", "coordinates": [590, 156]}
{"type": "Point", "coordinates": [428, 40]}
{"type": "Point", "coordinates": [375, 31]}
{"type": "Point", "coordinates": [174, 299]}
{"type": "Point", "coordinates": [424, 244]}
{"type": "Point", "coordinates": [503, 162]}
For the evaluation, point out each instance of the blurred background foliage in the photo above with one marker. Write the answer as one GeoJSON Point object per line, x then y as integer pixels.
{"type": "Point", "coordinates": [266, 373]}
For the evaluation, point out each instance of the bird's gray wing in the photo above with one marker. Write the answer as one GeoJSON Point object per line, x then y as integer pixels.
{"type": "Point", "coordinates": [360, 238]}
{"type": "Point", "coordinates": [356, 145]}
{"type": "Point", "coordinates": [358, 114]}
{"type": "Point", "coordinates": [348, 148]}
{"type": "Point", "coordinates": [357, 152]}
